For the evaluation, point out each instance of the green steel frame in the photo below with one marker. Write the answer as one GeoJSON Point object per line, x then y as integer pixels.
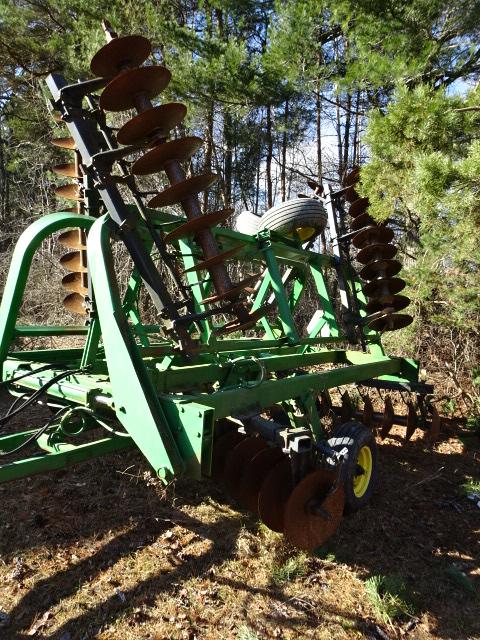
{"type": "Point", "coordinates": [132, 386]}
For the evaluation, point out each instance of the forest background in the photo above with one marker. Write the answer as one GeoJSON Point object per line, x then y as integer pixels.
{"type": "Point", "coordinates": [282, 92]}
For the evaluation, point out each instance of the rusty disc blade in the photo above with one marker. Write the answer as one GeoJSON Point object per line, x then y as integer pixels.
{"type": "Point", "coordinates": [412, 421]}
{"type": "Point", "coordinates": [254, 473]}
{"type": "Point", "coordinates": [391, 322]}
{"type": "Point", "coordinates": [157, 121]}
{"type": "Point", "coordinates": [73, 262]}
{"type": "Point", "coordinates": [383, 287]}
{"type": "Point", "coordinates": [199, 223]}
{"type": "Point", "coordinates": [69, 192]}
{"type": "Point", "coordinates": [64, 143]}
{"type": "Point", "coordinates": [367, 417]}
{"type": "Point", "coordinates": [376, 252]}
{"type": "Point", "coordinates": [380, 269]}
{"type": "Point", "coordinates": [183, 190]}
{"type": "Point", "coordinates": [388, 418]}
{"type": "Point", "coordinates": [122, 92]}
{"type": "Point", "coordinates": [435, 424]}
{"type": "Point", "coordinates": [236, 460]}
{"type": "Point", "coordinates": [273, 495]}
{"type": "Point", "coordinates": [120, 53]}
{"type": "Point", "coordinates": [155, 159]}
{"type": "Point", "coordinates": [352, 178]}
{"type": "Point", "coordinates": [73, 239]}
{"type": "Point", "coordinates": [351, 195]}
{"type": "Point", "coordinates": [374, 234]}
{"type": "Point", "coordinates": [74, 282]}
{"type": "Point", "coordinates": [237, 325]}
{"type": "Point", "coordinates": [394, 302]}
{"type": "Point", "coordinates": [74, 303]}
{"type": "Point", "coordinates": [362, 220]}
{"type": "Point", "coordinates": [234, 292]}
{"type": "Point", "coordinates": [314, 510]}
{"type": "Point", "coordinates": [221, 448]}
{"type": "Point", "coordinates": [358, 207]}
{"type": "Point", "coordinates": [218, 259]}
{"type": "Point", "coordinates": [67, 169]}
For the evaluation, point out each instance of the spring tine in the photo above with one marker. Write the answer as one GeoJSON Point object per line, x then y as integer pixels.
{"type": "Point", "coordinates": [194, 225]}
{"type": "Point", "coordinates": [435, 424]}
{"type": "Point", "coordinates": [234, 292]}
{"type": "Point", "coordinates": [236, 325]}
{"type": "Point", "coordinates": [347, 407]}
{"type": "Point", "coordinates": [367, 417]}
{"type": "Point", "coordinates": [155, 122]}
{"type": "Point", "coordinates": [183, 190]}
{"type": "Point", "coordinates": [64, 143]}
{"type": "Point", "coordinates": [218, 259]}
{"type": "Point", "coordinates": [388, 418]}
{"type": "Point", "coordinates": [154, 160]}
{"type": "Point", "coordinates": [412, 421]}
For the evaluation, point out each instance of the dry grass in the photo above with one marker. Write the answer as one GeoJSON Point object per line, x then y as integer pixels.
{"type": "Point", "coordinates": [103, 551]}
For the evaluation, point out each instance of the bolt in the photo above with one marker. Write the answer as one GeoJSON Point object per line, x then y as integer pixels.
{"type": "Point", "coordinates": [165, 474]}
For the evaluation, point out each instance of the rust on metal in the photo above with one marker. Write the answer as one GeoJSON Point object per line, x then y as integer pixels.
{"type": "Point", "coordinates": [194, 225]}
{"type": "Point", "coordinates": [157, 121]}
{"type": "Point", "coordinates": [273, 495]}
{"type": "Point", "coordinates": [73, 262]}
{"type": "Point", "coordinates": [180, 191]}
{"type": "Point", "coordinates": [313, 510]}
{"type": "Point", "coordinates": [380, 269]}
{"type": "Point", "coordinates": [236, 461]}
{"type": "Point", "coordinates": [122, 92]}
{"type": "Point", "coordinates": [255, 472]}
{"type": "Point", "coordinates": [120, 53]}
{"type": "Point", "coordinates": [154, 160]}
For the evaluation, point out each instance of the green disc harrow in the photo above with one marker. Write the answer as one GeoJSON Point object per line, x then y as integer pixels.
{"type": "Point", "coordinates": [207, 375]}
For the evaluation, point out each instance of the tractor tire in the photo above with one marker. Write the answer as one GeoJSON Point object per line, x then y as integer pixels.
{"type": "Point", "coordinates": [303, 218]}
{"type": "Point", "coordinates": [247, 222]}
{"type": "Point", "coordinates": [361, 454]}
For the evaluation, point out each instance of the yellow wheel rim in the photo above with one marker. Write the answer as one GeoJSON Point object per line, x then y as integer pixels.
{"type": "Point", "coordinates": [362, 477]}
{"type": "Point", "coordinates": [302, 232]}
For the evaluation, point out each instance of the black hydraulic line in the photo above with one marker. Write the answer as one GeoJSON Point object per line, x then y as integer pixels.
{"type": "Point", "coordinates": [41, 390]}
{"type": "Point", "coordinates": [35, 436]}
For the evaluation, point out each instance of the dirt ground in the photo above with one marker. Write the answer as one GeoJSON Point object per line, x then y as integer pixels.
{"type": "Point", "coordinates": [102, 551]}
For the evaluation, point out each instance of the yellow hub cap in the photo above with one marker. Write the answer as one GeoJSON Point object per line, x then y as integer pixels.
{"type": "Point", "coordinates": [304, 233]}
{"type": "Point", "coordinates": [361, 479]}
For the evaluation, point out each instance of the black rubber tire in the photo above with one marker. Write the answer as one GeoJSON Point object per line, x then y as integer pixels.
{"type": "Point", "coordinates": [301, 213]}
{"type": "Point", "coordinates": [247, 222]}
{"type": "Point", "coordinates": [354, 435]}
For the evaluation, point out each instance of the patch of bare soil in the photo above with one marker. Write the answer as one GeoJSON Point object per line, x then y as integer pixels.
{"type": "Point", "coordinates": [102, 551]}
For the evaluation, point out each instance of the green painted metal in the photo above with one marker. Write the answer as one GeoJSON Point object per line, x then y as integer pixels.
{"type": "Point", "coordinates": [135, 376]}
{"type": "Point", "coordinates": [25, 249]}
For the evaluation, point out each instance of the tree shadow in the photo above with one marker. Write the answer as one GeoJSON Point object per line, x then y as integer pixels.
{"type": "Point", "coordinates": [417, 527]}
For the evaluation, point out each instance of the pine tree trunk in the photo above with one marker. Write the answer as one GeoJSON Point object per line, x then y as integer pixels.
{"type": "Point", "coordinates": [268, 176]}
{"type": "Point", "coordinates": [283, 169]}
